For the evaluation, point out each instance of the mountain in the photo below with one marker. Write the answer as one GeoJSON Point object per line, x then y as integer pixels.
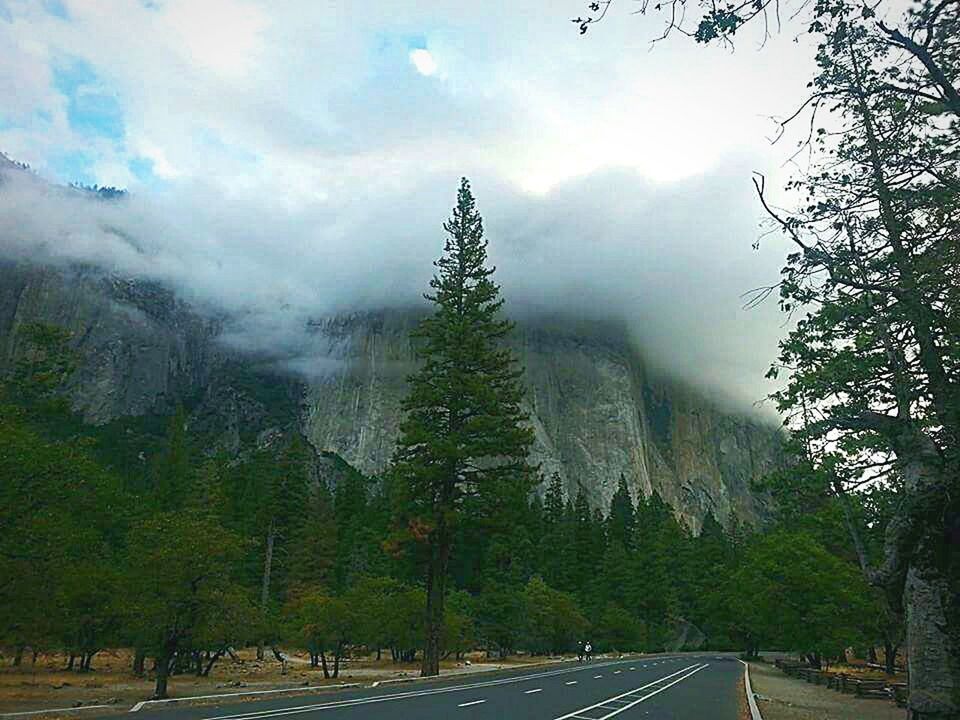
{"type": "Point", "coordinates": [597, 411]}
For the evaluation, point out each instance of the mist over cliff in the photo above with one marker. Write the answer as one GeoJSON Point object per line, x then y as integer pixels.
{"type": "Point", "coordinates": [662, 267]}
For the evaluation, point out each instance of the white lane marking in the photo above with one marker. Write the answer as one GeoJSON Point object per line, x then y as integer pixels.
{"type": "Point", "coordinates": [633, 668]}
{"type": "Point", "coordinates": [475, 702]}
{"type": "Point", "coordinates": [632, 694]}
{"type": "Point", "coordinates": [617, 672]}
{"type": "Point", "coordinates": [597, 677]}
{"type": "Point", "coordinates": [530, 692]}
{"type": "Point", "coordinates": [572, 682]}
{"type": "Point", "coordinates": [278, 712]}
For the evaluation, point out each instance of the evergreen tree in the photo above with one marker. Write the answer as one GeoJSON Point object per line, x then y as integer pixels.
{"type": "Point", "coordinates": [622, 519]}
{"type": "Point", "coordinates": [464, 435]}
{"type": "Point", "coordinates": [313, 556]}
{"type": "Point", "coordinates": [173, 467]}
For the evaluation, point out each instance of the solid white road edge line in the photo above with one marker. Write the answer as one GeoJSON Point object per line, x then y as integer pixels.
{"type": "Point", "coordinates": [299, 688]}
{"type": "Point", "coordinates": [751, 699]}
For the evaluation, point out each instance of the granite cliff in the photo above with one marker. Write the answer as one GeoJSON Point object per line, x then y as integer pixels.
{"type": "Point", "coordinates": [597, 412]}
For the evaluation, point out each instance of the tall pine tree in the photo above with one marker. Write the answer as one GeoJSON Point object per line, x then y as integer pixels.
{"type": "Point", "coordinates": [464, 439]}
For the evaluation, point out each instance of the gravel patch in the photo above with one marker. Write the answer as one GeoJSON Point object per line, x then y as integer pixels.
{"type": "Point", "coordinates": [781, 697]}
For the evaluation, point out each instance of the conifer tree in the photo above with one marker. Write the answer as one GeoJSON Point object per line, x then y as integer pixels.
{"type": "Point", "coordinates": [465, 436]}
{"type": "Point", "coordinates": [173, 467]}
{"type": "Point", "coordinates": [622, 519]}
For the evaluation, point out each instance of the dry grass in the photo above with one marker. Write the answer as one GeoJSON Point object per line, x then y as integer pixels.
{"type": "Point", "coordinates": [110, 681]}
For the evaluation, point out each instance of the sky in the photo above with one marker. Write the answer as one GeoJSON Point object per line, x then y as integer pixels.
{"type": "Point", "coordinates": [289, 160]}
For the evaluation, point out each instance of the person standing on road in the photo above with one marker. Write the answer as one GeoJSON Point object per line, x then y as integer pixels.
{"type": "Point", "coordinates": [588, 650]}
{"type": "Point", "coordinates": [579, 650]}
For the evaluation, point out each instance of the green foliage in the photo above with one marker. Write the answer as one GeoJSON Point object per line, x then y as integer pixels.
{"type": "Point", "coordinates": [554, 622]}
{"type": "Point", "coordinates": [790, 593]}
{"type": "Point", "coordinates": [464, 440]}
{"type": "Point", "coordinates": [618, 630]}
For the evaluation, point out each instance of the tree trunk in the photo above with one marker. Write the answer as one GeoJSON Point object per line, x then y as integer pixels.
{"type": "Point", "coordinates": [933, 645]}
{"type": "Point", "coordinates": [265, 584]}
{"type": "Point", "coordinates": [139, 659]}
{"type": "Point", "coordinates": [212, 661]}
{"type": "Point", "coordinates": [378, 654]}
{"type": "Point", "coordinates": [18, 655]}
{"type": "Point", "coordinates": [890, 657]}
{"type": "Point", "coordinates": [436, 592]}
{"type": "Point", "coordinates": [70, 661]}
{"type": "Point", "coordinates": [336, 659]}
{"type": "Point", "coordinates": [163, 673]}
{"type": "Point", "coordinates": [872, 654]}
{"type": "Point", "coordinates": [323, 664]}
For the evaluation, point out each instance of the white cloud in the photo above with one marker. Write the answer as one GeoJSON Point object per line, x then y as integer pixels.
{"type": "Point", "coordinates": [423, 61]}
{"type": "Point", "coordinates": [295, 137]}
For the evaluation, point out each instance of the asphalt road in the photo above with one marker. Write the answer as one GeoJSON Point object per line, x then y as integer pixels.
{"type": "Point", "coordinates": [687, 687]}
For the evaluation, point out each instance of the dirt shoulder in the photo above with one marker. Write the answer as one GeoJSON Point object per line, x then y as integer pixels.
{"type": "Point", "coordinates": [781, 697]}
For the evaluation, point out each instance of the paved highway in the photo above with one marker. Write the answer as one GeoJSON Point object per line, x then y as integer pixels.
{"type": "Point", "coordinates": [687, 687]}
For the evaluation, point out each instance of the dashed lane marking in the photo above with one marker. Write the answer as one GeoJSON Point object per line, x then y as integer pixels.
{"type": "Point", "coordinates": [572, 682]}
{"type": "Point", "coordinates": [635, 699]}
{"type": "Point", "coordinates": [392, 697]}
{"type": "Point", "coordinates": [468, 704]}
{"type": "Point", "coordinates": [530, 692]}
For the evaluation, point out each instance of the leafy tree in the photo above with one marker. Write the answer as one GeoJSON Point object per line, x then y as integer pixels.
{"type": "Point", "coordinates": [791, 593]}
{"type": "Point", "coordinates": [180, 566]}
{"type": "Point", "coordinates": [873, 365]}
{"type": "Point", "coordinates": [464, 436]}
{"type": "Point", "coordinates": [59, 513]}
{"type": "Point", "coordinates": [617, 629]}
{"type": "Point", "coordinates": [326, 624]}
{"type": "Point", "coordinates": [499, 612]}
{"type": "Point", "coordinates": [460, 631]}
{"type": "Point", "coordinates": [552, 619]}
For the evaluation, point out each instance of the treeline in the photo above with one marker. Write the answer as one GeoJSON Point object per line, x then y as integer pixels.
{"type": "Point", "coordinates": [204, 554]}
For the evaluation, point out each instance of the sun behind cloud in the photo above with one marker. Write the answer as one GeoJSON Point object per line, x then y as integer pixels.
{"type": "Point", "coordinates": [423, 61]}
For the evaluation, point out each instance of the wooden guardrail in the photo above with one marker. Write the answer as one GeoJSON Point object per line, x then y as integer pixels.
{"type": "Point", "coordinates": [843, 683]}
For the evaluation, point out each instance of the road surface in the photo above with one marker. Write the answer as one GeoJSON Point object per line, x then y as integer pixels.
{"type": "Point", "coordinates": [686, 687]}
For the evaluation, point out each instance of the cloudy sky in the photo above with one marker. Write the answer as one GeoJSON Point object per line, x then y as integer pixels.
{"type": "Point", "coordinates": [291, 159]}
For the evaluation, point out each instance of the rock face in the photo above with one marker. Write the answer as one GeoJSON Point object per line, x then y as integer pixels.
{"type": "Point", "coordinates": [596, 412]}
{"type": "Point", "coordinates": [143, 351]}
